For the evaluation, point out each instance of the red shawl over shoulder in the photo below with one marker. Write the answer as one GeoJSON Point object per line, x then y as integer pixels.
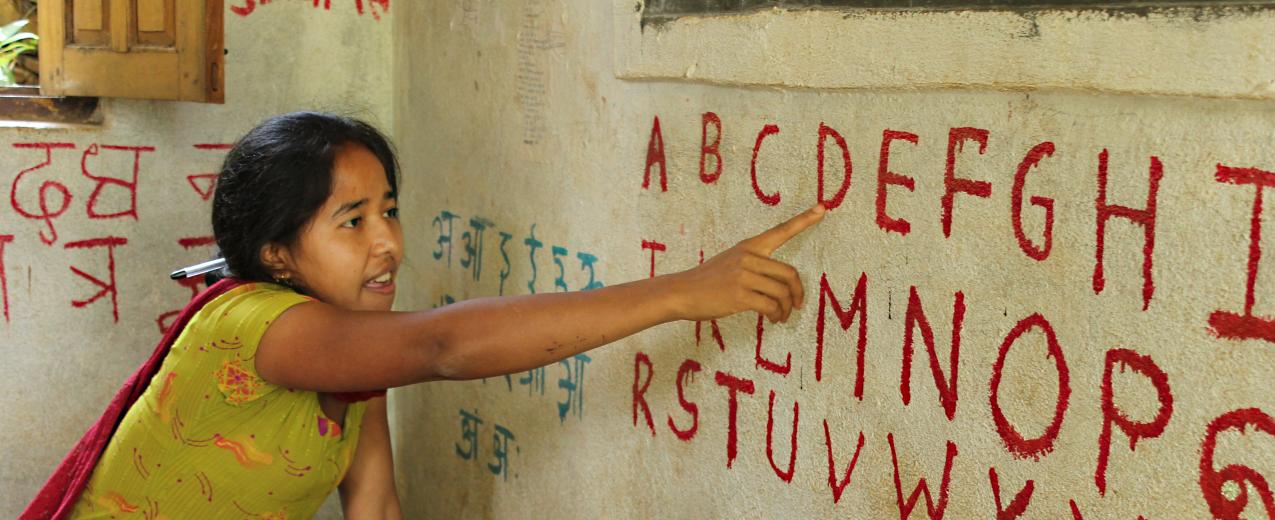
{"type": "Point", "coordinates": [58, 496]}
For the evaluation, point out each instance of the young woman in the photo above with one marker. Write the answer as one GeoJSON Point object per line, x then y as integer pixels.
{"type": "Point", "coordinates": [267, 398]}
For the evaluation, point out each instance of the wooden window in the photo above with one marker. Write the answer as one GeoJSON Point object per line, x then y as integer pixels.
{"type": "Point", "coordinates": [151, 49]}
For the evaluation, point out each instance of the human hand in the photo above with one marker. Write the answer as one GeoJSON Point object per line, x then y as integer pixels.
{"type": "Point", "coordinates": [745, 278]}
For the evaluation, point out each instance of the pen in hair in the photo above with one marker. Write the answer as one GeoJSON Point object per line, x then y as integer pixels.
{"type": "Point", "coordinates": [198, 269]}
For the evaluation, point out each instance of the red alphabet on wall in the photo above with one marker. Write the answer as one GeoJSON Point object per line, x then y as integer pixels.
{"type": "Point", "coordinates": [688, 369]}
{"type": "Point", "coordinates": [1075, 511]}
{"type": "Point", "coordinates": [905, 508]}
{"type": "Point", "coordinates": [1247, 326]}
{"type": "Point", "coordinates": [213, 146]}
{"type": "Point", "coordinates": [1018, 505]}
{"type": "Point", "coordinates": [639, 393]}
{"type": "Point", "coordinates": [952, 184]}
{"type": "Point", "coordinates": [915, 317]}
{"type": "Point", "coordinates": [248, 7]}
{"type": "Point", "coordinates": [193, 242]}
{"type": "Point", "coordinates": [189, 243]}
{"type": "Point", "coordinates": [655, 157]}
{"type": "Point", "coordinates": [251, 5]}
{"type": "Point", "coordinates": [714, 330]}
{"type": "Point", "coordinates": [1033, 251]}
{"type": "Point", "coordinates": [714, 149]}
{"type": "Point", "coordinates": [385, 6]}
{"type": "Point", "coordinates": [717, 332]}
{"type": "Point", "coordinates": [885, 177]}
{"type": "Point", "coordinates": [1111, 415]}
{"type": "Point", "coordinates": [858, 307]}
{"type": "Point", "coordinates": [1142, 217]}
{"type": "Point", "coordinates": [734, 385]}
{"type": "Point", "coordinates": [4, 280]}
{"type": "Point", "coordinates": [765, 363]}
{"type": "Point", "coordinates": [1014, 441]}
{"type": "Point", "coordinates": [131, 186]}
{"type": "Point", "coordinates": [839, 487]}
{"type": "Point", "coordinates": [825, 132]}
{"type": "Point", "coordinates": [653, 246]}
{"type": "Point", "coordinates": [1241, 476]}
{"type": "Point", "coordinates": [785, 475]}
{"type": "Point", "coordinates": [205, 183]}
{"type": "Point", "coordinates": [105, 288]}
{"type": "Point", "coordinates": [45, 214]}
{"type": "Point", "coordinates": [772, 199]}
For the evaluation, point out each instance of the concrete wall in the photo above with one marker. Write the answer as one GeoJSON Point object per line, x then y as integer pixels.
{"type": "Point", "coordinates": [526, 133]}
{"type": "Point", "coordinates": [531, 126]}
{"type": "Point", "coordinates": [63, 363]}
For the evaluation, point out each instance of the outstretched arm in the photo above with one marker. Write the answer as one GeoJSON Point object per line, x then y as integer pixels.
{"type": "Point", "coordinates": [315, 346]}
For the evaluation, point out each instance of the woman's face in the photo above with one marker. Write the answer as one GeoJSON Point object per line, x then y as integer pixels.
{"type": "Point", "coordinates": [349, 252]}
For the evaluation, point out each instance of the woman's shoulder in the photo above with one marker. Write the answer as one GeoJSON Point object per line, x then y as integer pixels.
{"type": "Point", "coordinates": [222, 336]}
{"type": "Point", "coordinates": [256, 295]}
{"type": "Point", "coordinates": [248, 304]}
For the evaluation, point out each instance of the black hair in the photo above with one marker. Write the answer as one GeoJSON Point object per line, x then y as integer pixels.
{"type": "Point", "coordinates": [277, 176]}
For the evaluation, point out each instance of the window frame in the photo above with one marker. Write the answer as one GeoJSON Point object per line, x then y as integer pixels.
{"type": "Point", "coordinates": [199, 48]}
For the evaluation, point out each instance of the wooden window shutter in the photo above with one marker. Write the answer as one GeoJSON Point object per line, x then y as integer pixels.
{"type": "Point", "coordinates": [150, 49]}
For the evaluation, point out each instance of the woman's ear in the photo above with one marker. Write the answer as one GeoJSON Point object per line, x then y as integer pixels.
{"type": "Point", "coordinates": [276, 259]}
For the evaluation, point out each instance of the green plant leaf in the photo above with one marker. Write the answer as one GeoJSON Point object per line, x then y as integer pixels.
{"type": "Point", "coordinates": [27, 43]}
{"type": "Point", "coordinates": [6, 77]}
{"type": "Point", "coordinates": [19, 47]}
{"type": "Point", "coordinates": [12, 28]}
{"type": "Point", "coordinates": [14, 43]}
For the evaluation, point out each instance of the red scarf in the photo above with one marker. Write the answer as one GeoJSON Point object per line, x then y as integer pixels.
{"type": "Point", "coordinates": [58, 496]}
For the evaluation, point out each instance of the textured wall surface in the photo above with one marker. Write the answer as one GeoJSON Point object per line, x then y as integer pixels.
{"type": "Point", "coordinates": [1087, 318]}
{"type": "Point", "coordinates": [63, 363]}
{"type": "Point", "coordinates": [532, 162]}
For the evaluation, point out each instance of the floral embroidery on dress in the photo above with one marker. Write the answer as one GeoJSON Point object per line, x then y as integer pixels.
{"type": "Point", "coordinates": [227, 344]}
{"type": "Point", "coordinates": [248, 515]}
{"type": "Point", "coordinates": [165, 399]}
{"type": "Point", "coordinates": [239, 385]}
{"type": "Point", "coordinates": [327, 427]}
{"type": "Point", "coordinates": [245, 451]}
{"type": "Point", "coordinates": [215, 432]}
{"type": "Point", "coordinates": [116, 503]}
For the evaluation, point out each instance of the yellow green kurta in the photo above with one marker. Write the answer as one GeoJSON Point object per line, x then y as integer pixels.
{"type": "Point", "coordinates": [211, 439]}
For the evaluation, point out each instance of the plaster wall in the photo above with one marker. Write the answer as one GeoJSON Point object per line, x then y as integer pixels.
{"type": "Point", "coordinates": [534, 126]}
{"type": "Point", "coordinates": [62, 363]}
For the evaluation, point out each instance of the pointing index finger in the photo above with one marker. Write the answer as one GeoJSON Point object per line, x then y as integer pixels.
{"type": "Point", "coordinates": [777, 236]}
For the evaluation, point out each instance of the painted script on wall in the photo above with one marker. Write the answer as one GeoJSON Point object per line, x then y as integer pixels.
{"type": "Point", "coordinates": [1225, 484]}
